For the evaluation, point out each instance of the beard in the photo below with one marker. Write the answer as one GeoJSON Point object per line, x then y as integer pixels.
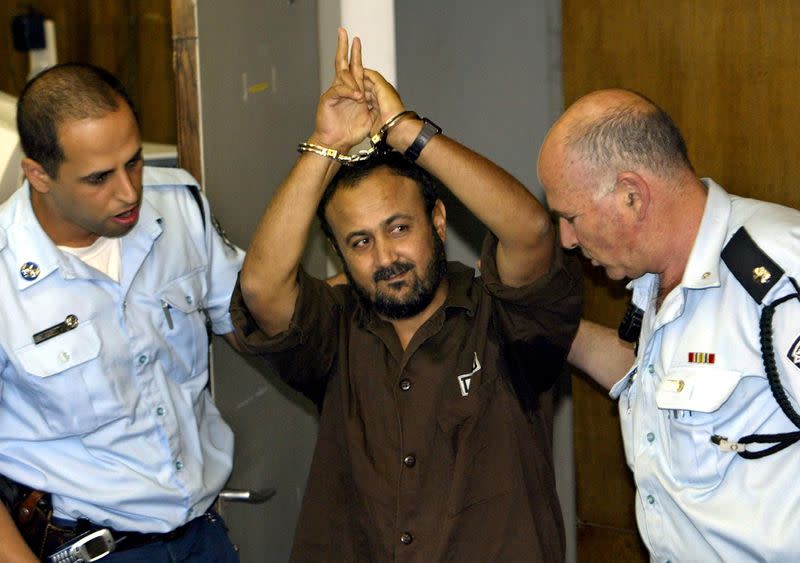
{"type": "Point", "coordinates": [422, 290]}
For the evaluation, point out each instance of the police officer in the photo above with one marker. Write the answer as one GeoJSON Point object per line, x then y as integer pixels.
{"type": "Point", "coordinates": [717, 367]}
{"type": "Point", "coordinates": [110, 276]}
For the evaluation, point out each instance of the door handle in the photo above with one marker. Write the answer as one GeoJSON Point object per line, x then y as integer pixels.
{"type": "Point", "coordinates": [249, 497]}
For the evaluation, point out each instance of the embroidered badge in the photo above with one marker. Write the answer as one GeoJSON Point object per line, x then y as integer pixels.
{"type": "Point", "coordinates": [794, 353]}
{"type": "Point", "coordinates": [701, 358]}
{"type": "Point", "coordinates": [465, 379]}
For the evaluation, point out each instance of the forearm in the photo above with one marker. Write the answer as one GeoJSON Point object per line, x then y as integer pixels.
{"type": "Point", "coordinates": [600, 353]}
{"type": "Point", "coordinates": [269, 273]}
{"type": "Point", "coordinates": [14, 549]}
{"type": "Point", "coordinates": [521, 225]}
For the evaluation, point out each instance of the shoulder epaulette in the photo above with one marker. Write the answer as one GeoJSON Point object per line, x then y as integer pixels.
{"type": "Point", "coordinates": [750, 265]}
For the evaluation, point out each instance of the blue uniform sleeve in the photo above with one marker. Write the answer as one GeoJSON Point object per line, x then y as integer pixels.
{"type": "Point", "coordinates": [224, 262]}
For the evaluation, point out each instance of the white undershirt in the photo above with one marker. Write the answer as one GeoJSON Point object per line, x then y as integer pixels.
{"type": "Point", "coordinates": [103, 255]}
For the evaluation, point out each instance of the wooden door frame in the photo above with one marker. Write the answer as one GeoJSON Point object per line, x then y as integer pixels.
{"type": "Point", "coordinates": [185, 63]}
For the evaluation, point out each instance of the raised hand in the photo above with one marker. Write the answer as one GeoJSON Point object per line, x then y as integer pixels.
{"type": "Point", "coordinates": [343, 116]}
{"type": "Point", "coordinates": [383, 100]}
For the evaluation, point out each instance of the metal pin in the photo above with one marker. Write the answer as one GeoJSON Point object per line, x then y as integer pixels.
{"type": "Point", "coordinates": [167, 315]}
{"type": "Point", "coordinates": [70, 322]}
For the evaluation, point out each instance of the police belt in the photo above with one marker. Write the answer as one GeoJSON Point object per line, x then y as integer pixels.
{"type": "Point", "coordinates": [125, 540]}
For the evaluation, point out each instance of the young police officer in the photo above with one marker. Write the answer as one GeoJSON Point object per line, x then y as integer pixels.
{"type": "Point", "coordinates": [110, 275]}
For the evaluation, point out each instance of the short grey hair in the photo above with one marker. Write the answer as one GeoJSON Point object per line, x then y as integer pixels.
{"type": "Point", "coordinates": [631, 135]}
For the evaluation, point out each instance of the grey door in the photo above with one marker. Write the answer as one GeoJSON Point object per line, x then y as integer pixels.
{"type": "Point", "coordinates": [259, 85]}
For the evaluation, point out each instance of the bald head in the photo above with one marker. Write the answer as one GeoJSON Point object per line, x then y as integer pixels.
{"type": "Point", "coordinates": [608, 131]}
{"type": "Point", "coordinates": [618, 178]}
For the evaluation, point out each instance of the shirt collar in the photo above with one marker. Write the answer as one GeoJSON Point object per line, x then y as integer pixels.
{"type": "Point", "coordinates": [702, 268]}
{"type": "Point", "coordinates": [34, 251]}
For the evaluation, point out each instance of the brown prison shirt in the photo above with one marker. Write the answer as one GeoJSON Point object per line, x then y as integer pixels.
{"type": "Point", "coordinates": [442, 451]}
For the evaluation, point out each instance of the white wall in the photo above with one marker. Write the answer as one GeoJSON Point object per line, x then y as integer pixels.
{"type": "Point", "coordinates": [10, 150]}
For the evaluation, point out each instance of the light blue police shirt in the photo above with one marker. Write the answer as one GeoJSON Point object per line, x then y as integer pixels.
{"type": "Point", "coordinates": [113, 416]}
{"type": "Point", "coordinates": [699, 373]}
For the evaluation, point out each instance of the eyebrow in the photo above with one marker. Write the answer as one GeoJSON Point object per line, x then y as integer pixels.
{"type": "Point", "coordinates": [556, 214]}
{"type": "Point", "coordinates": [388, 221]}
{"type": "Point", "coordinates": [93, 176]}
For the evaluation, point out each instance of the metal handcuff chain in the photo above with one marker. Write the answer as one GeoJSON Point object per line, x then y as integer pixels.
{"type": "Point", "coordinates": [785, 439]}
{"type": "Point", "coordinates": [377, 143]}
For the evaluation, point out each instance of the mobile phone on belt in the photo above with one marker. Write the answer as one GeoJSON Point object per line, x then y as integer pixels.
{"type": "Point", "coordinates": [90, 546]}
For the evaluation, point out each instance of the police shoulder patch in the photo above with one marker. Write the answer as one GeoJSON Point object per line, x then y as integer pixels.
{"type": "Point", "coordinates": [750, 265]}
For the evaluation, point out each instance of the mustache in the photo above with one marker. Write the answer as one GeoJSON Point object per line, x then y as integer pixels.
{"type": "Point", "coordinates": [393, 270]}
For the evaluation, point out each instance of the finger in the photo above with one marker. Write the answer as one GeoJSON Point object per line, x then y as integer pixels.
{"type": "Point", "coordinates": [356, 65]}
{"type": "Point", "coordinates": [345, 78]}
{"type": "Point", "coordinates": [386, 97]}
{"type": "Point", "coordinates": [343, 91]}
{"type": "Point", "coordinates": [341, 52]}
{"type": "Point", "coordinates": [374, 76]}
{"type": "Point", "coordinates": [375, 117]}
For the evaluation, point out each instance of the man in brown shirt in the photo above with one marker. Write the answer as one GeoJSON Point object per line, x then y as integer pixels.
{"type": "Point", "coordinates": [435, 432]}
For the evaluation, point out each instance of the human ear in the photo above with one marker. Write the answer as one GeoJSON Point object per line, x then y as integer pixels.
{"type": "Point", "coordinates": [439, 219]}
{"type": "Point", "coordinates": [636, 193]}
{"type": "Point", "coordinates": [37, 177]}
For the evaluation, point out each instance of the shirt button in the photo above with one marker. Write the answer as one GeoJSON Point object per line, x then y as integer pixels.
{"type": "Point", "coordinates": [410, 461]}
{"type": "Point", "coordinates": [405, 384]}
{"type": "Point", "coordinates": [189, 299]}
{"type": "Point", "coordinates": [178, 465]}
{"type": "Point", "coordinates": [160, 411]}
{"type": "Point", "coordinates": [406, 538]}
{"type": "Point", "coordinates": [650, 436]}
{"type": "Point", "coordinates": [650, 499]}
{"type": "Point", "coordinates": [142, 359]}
{"type": "Point", "coordinates": [651, 369]}
{"type": "Point", "coordinates": [63, 357]}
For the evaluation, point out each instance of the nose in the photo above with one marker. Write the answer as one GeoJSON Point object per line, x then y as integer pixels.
{"type": "Point", "coordinates": [566, 231]}
{"type": "Point", "coordinates": [127, 188]}
{"type": "Point", "coordinates": [384, 251]}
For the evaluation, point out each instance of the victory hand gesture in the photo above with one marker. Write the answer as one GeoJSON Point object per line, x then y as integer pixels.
{"type": "Point", "coordinates": [343, 116]}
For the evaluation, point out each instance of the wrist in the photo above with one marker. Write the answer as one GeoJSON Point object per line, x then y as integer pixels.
{"type": "Point", "coordinates": [425, 133]}
{"type": "Point", "coordinates": [403, 134]}
{"type": "Point", "coordinates": [323, 141]}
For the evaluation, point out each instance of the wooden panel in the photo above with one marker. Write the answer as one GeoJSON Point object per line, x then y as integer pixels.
{"type": "Point", "coordinates": [185, 61]}
{"type": "Point", "coordinates": [604, 487]}
{"type": "Point", "coordinates": [608, 545]}
{"type": "Point", "coordinates": [130, 38]}
{"type": "Point", "coordinates": [727, 74]}
{"type": "Point", "coordinates": [156, 79]}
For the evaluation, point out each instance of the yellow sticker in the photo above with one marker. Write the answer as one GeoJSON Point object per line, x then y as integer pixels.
{"type": "Point", "coordinates": [258, 87]}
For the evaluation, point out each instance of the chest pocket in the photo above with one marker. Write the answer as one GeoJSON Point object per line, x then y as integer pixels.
{"type": "Point", "coordinates": [183, 324]}
{"type": "Point", "coordinates": [63, 383]}
{"type": "Point", "coordinates": [699, 403]}
{"type": "Point", "coordinates": [479, 431]}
